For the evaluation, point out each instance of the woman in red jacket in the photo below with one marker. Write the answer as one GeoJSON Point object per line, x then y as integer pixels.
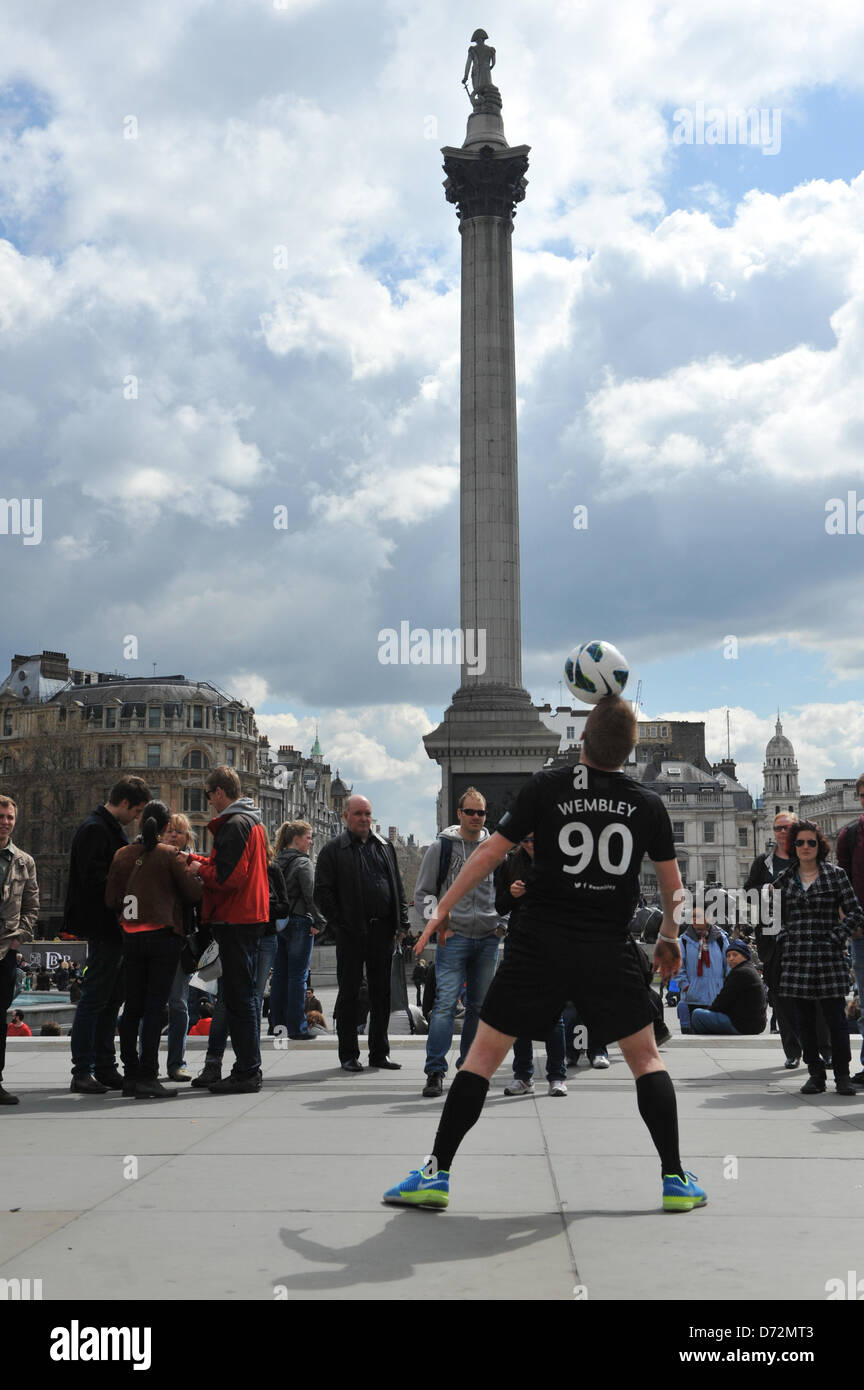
{"type": "Point", "coordinates": [148, 883]}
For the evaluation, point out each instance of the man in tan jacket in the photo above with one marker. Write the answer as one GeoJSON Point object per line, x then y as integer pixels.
{"type": "Point", "coordinates": [19, 910]}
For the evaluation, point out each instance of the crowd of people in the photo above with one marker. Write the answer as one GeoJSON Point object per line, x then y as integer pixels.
{"type": "Point", "coordinates": [152, 909]}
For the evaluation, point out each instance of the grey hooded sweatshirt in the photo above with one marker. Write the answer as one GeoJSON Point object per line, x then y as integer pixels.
{"type": "Point", "coordinates": [475, 915]}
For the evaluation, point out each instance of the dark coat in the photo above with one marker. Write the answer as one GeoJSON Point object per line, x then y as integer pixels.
{"type": "Point", "coordinates": [338, 889]}
{"type": "Point", "coordinates": [94, 845]}
{"type": "Point", "coordinates": [762, 872]}
{"type": "Point", "coordinates": [518, 864]}
{"type": "Point", "coordinates": [815, 960]}
{"type": "Point", "coordinates": [742, 999]}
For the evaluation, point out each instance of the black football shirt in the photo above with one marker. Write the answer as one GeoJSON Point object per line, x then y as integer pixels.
{"type": "Point", "coordinates": [591, 831]}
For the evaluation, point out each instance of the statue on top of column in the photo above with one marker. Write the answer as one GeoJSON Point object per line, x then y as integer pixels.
{"type": "Point", "coordinates": [484, 96]}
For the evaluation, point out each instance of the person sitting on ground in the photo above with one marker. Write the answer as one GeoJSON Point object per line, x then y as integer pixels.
{"type": "Point", "coordinates": [201, 1029]}
{"type": "Point", "coordinates": [741, 1006]}
{"type": "Point", "coordinates": [18, 1028]}
{"type": "Point", "coordinates": [703, 966]}
{"type": "Point", "coordinates": [51, 1029]}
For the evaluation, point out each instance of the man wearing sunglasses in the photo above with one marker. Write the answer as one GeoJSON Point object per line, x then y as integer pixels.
{"type": "Point", "coordinates": [471, 952]}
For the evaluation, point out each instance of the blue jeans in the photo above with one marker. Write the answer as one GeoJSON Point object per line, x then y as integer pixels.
{"type": "Point", "coordinates": [217, 1038]}
{"type": "Point", "coordinates": [710, 1021]}
{"type": "Point", "coordinates": [92, 1037]}
{"type": "Point", "coordinates": [266, 957]}
{"type": "Point", "coordinates": [462, 958]}
{"type": "Point", "coordinates": [556, 1065]}
{"type": "Point", "coordinates": [178, 1018]}
{"type": "Point", "coordinates": [290, 974]}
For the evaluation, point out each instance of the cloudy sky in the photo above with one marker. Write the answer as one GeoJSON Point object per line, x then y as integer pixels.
{"type": "Point", "coordinates": [229, 283]}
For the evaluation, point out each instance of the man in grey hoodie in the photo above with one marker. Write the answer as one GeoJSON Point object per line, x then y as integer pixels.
{"type": "Point", "coordinates": [470, 954]}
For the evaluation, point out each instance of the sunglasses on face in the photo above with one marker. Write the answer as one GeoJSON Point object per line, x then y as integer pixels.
{"type": "Point", "coordinates": [466, 811]}
{"type": "Point", "coordinates": [811, 843]}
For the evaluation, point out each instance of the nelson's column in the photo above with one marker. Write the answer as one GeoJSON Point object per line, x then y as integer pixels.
{"type": "Point", "coordinates": [491, 735]}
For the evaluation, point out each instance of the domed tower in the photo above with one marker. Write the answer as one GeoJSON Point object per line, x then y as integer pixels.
{"type": "Point", "coordinates": [780, 776]}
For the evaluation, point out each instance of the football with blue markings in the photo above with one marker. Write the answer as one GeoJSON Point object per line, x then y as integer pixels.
{"type": "Point", "coordinates": [595, 669]}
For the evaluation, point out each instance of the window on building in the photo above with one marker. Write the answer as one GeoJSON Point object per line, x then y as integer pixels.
{"type": "Point", "coordinates": [111, 717]}
{"type": "Point", "coordinates": [664, 730]}
{"type": "Point", "coordinates": [652, 731]}
{"type": "Point", "coordinates": [154, 754]}
{"type": "Point", "coordinates": [743, 837]}
{"type": "Point", "coordinates": [678, 832]}
{"type": "Point", "coordinates": [709, 827]}
{"type": "Point", "coordinates": [229, 757]}
{"type": "Point", "coordinates": [154, 717]}
{"type": "Point", "coordinates": [710, 870]}
{"type": "Point", "coordinates": [196, 759]}
{"type": "Point", "coordinates": [197, 716]}
{"type": "Point", "coordinates": [7, 722]}
{"type": "Point", "coordinates": [193, 799]}
{"type": "Point", "coordinates": [571, 731]}
{"type": "Point", "coordinates": [231, 721]}
{"type": "Point", "coordinates": [110, 754]}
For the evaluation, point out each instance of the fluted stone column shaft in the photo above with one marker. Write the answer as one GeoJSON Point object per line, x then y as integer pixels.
{"type": "Point", "coordinates": [489, 485]}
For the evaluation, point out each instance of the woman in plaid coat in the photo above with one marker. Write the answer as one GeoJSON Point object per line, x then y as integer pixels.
{"type": "Point", "coordinates": [818, 912]}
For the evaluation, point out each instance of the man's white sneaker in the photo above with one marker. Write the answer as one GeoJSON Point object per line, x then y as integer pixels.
{"type": "Point", "coordinates": [519, 1088]}
{"type": "Point", "coordinates": [600, 1063]}
{"type": "Point", "coordinates": [557, 1088]}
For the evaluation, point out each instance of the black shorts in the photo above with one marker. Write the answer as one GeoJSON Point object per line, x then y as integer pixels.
{"type": "Point", "coordinates": [545, 966]}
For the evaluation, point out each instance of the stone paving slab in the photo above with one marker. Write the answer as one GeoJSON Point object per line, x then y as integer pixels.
{"type": "Point", "coordinates": [283, 1187]}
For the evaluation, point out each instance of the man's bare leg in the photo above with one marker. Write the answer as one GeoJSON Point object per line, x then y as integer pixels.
{"type": "Point", "coordinates": [487, 1051]}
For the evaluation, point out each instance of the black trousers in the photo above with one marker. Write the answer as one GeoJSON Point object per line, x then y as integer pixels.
{"type": "Point", "coordinates": [7, 994]}
{"type": "Point", "coordinates": [151, 964]}
{"type": "Point", "coordinates": [806, 1014]}
{"type": "Point", "coordinates": [373, 950]}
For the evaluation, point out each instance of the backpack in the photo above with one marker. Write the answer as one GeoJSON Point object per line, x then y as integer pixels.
{"type": "Point", "coordinates": [443, 862]}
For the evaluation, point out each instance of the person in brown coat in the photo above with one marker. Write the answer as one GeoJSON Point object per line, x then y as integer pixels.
{"type": "Point", "coordinates": [148, 883]}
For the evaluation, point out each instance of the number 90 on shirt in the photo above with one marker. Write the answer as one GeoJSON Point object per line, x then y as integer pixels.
{"type": "Point", "coordinates": [612, 850]}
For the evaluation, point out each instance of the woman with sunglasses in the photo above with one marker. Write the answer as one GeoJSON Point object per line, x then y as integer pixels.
{"type": "Point", "coordinates": [819, 911]}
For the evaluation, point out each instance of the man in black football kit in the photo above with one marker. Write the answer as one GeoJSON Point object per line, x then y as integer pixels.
{"type": "Point", "coordinates": [592, 826]}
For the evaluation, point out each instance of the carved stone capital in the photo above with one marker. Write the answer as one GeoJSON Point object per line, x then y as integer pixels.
{"type": "Point", "coordinates": [487, 183]}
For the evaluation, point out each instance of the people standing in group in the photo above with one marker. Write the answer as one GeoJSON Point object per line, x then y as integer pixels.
{"type": "Point", "coordinates": [148, 883]}
{"type": "Point", "coordinates": [96, 841]}
{"type": "Point", "coordinates": [850, 857]}
{"type": "Point", "coordinates": [19, 912]}
{"type": "Point", "coordinates": [297, 935]}
{"type": "Point", "coordinates": [470, 953]}
{"type": "Point", "coordinates": [180, 836]}
{"type": "Point", "coordinates": [703, 966]}
{"type": "Point", "coordinates": [358, 890]}
{"type": "Point", "coordinates": [592, 826]}
{"type": "Point", "coordinates": [819, 911]}
{"type": "Point", "coordinates": [512, 881]}
{"type": "Point", "coordinates": [236, 905]}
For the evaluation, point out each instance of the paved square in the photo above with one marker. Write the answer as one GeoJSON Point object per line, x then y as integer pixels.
{"type": "Point", "coordinates": [278, 1194]}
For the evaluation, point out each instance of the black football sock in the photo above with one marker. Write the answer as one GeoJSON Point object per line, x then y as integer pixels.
{"type": "Point", "coordinates": [461, 1111]}
{"type": "Point", "coordinates": [655, 1095]}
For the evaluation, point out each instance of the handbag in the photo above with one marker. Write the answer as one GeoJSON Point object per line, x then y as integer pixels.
{"type": "Point", "coordinates": [210, 964]}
